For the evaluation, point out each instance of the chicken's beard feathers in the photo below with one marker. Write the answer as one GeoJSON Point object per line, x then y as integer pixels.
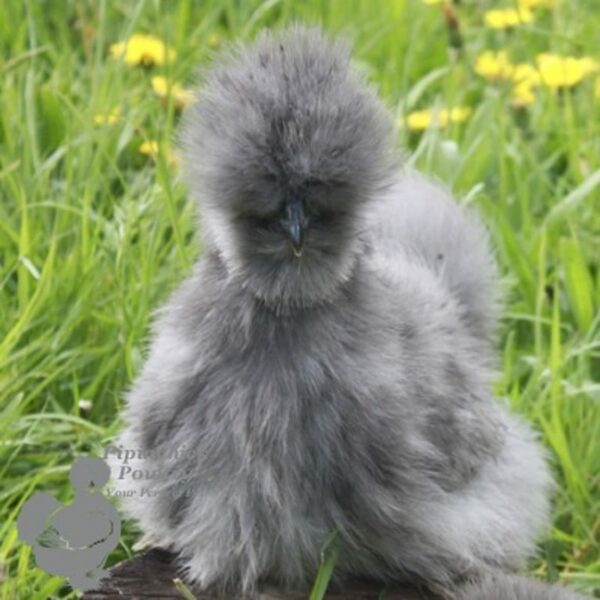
{"type": "Point", "coordinates": [264, 264]}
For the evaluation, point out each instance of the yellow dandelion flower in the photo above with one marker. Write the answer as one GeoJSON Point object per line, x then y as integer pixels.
{"type": "Point", "coordinates": [423, 119]}
{"type": "Point", "coordinates": [181, 96]}
{"type": "Point", "coordinates": [525, 77]}
{"type": "Point", "coordinates": [109, 118]}
{"type": "Point", "coordinates": [524, 73]}
{"type": "Point", "coordinates": [494, 65]}
{"type": "Point", "coordinates": [536, 3]}
{"type": "Point", "coordinates": [523, 94]}
{"type": "Point", "coordinates": [434, 2]}
{"type": "Point", "coordinates": [458, 114]}
{"type": "Point", "coordinates": [564, 71]}
{"type": "Point", "coordinates": [152, 149]}
{"type": "Point", "coordinates": [503, 18]}
{"type": "Point", "coordinates": [142, 49]}
{"type": "Point", "coordinates": [589, 65]}
{"type": "Point", "coordinates": [419, 120]}
{"type": "Point", "coordinates": [149, 148]}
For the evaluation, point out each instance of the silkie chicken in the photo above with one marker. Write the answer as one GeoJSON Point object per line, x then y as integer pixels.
{"type": "Point", "coordinates": [328, 365]}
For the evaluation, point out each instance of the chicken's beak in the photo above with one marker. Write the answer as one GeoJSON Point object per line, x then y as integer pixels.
{"type": "Point", "coordinates": [294, 223]}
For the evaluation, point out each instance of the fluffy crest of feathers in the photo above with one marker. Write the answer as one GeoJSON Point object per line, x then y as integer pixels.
{"type": "Point", "coordinates": [286, 111]}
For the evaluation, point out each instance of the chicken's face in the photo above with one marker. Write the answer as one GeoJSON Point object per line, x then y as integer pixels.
{"type": "Point", "coordinates": [291, 244]}
{"type": "Point", "coordinates": [285, 147]}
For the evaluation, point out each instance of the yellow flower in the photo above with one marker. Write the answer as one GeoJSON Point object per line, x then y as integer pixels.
{"type": "Point", "coordinates": [108, 118]}
{"type": "Point", "coordinates": [503, 18]}
{"type": "Point", "coordinates": [419, 120]}
{"type": "Point", "coordinates": [525, 78]}
{"type": "Point", "coordinates": [597, 88]}
{"type": "Point", "coordinates": [142, 49]}
{"type": "Point", "coordinates": [152, 149]}
{"type": "Point", "coordinates": [494, 65]}
{"type": "Point", "coordinates": [422, 119]}
{"type": "Point", "coordinates": [181, 96]}
{"type": "Point", "coordinates": [524, 73]}
{"type": "Point", "coordinates": [458, 114]}
{"type": "Point", "coordinates": [523, 94]}
{"type": "Point", "coordinates": [536, 3]}
{"type": "Point", "coordinates": [149, 148]}
{"type": "Point", "coordinates": [434, 1]}
{"type": "Point", "coordinates": [564, 71]}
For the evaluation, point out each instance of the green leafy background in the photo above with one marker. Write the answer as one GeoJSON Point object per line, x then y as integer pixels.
{"type": "Point", "coordinates": [94, 235]}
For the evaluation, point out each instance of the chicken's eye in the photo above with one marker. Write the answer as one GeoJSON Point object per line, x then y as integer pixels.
{"type": "Point", "coordinates": [326, 217]}
{"type": "Point", "coordinates": [265, 222]}
{"type": "Point", "coordinates": [322, 216]}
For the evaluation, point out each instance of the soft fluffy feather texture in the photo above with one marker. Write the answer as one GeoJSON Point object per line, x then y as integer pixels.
{"type": "Point", "coordinates": [501, 586]}
{"type": "Point", "coordinates": [345, 390]}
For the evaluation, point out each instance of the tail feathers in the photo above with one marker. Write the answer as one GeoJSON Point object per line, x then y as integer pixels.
{"type": "Point", "coordinates": [502, 586]}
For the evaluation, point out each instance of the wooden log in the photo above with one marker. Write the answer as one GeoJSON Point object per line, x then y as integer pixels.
{"type": "Point", "coordinates": [152, 575]}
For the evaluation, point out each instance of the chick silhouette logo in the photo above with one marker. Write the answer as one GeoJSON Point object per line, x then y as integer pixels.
{"type": "Point", "coordinates": [73, 541]}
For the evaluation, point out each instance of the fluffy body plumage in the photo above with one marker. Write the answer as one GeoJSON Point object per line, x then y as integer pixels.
{"type": "Point", "coordinates": [344, 389]}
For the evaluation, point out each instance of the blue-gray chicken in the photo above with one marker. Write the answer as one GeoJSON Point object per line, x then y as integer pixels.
{"type": "Point", "coordinates": [328, 365]}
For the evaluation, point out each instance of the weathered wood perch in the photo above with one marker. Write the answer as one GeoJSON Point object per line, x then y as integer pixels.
{"type": "Point", "coordinates": [151, 575]}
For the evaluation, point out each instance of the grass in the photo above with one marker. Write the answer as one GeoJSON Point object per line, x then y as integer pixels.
{"type": "Point", "coordinates": [93, 235]}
